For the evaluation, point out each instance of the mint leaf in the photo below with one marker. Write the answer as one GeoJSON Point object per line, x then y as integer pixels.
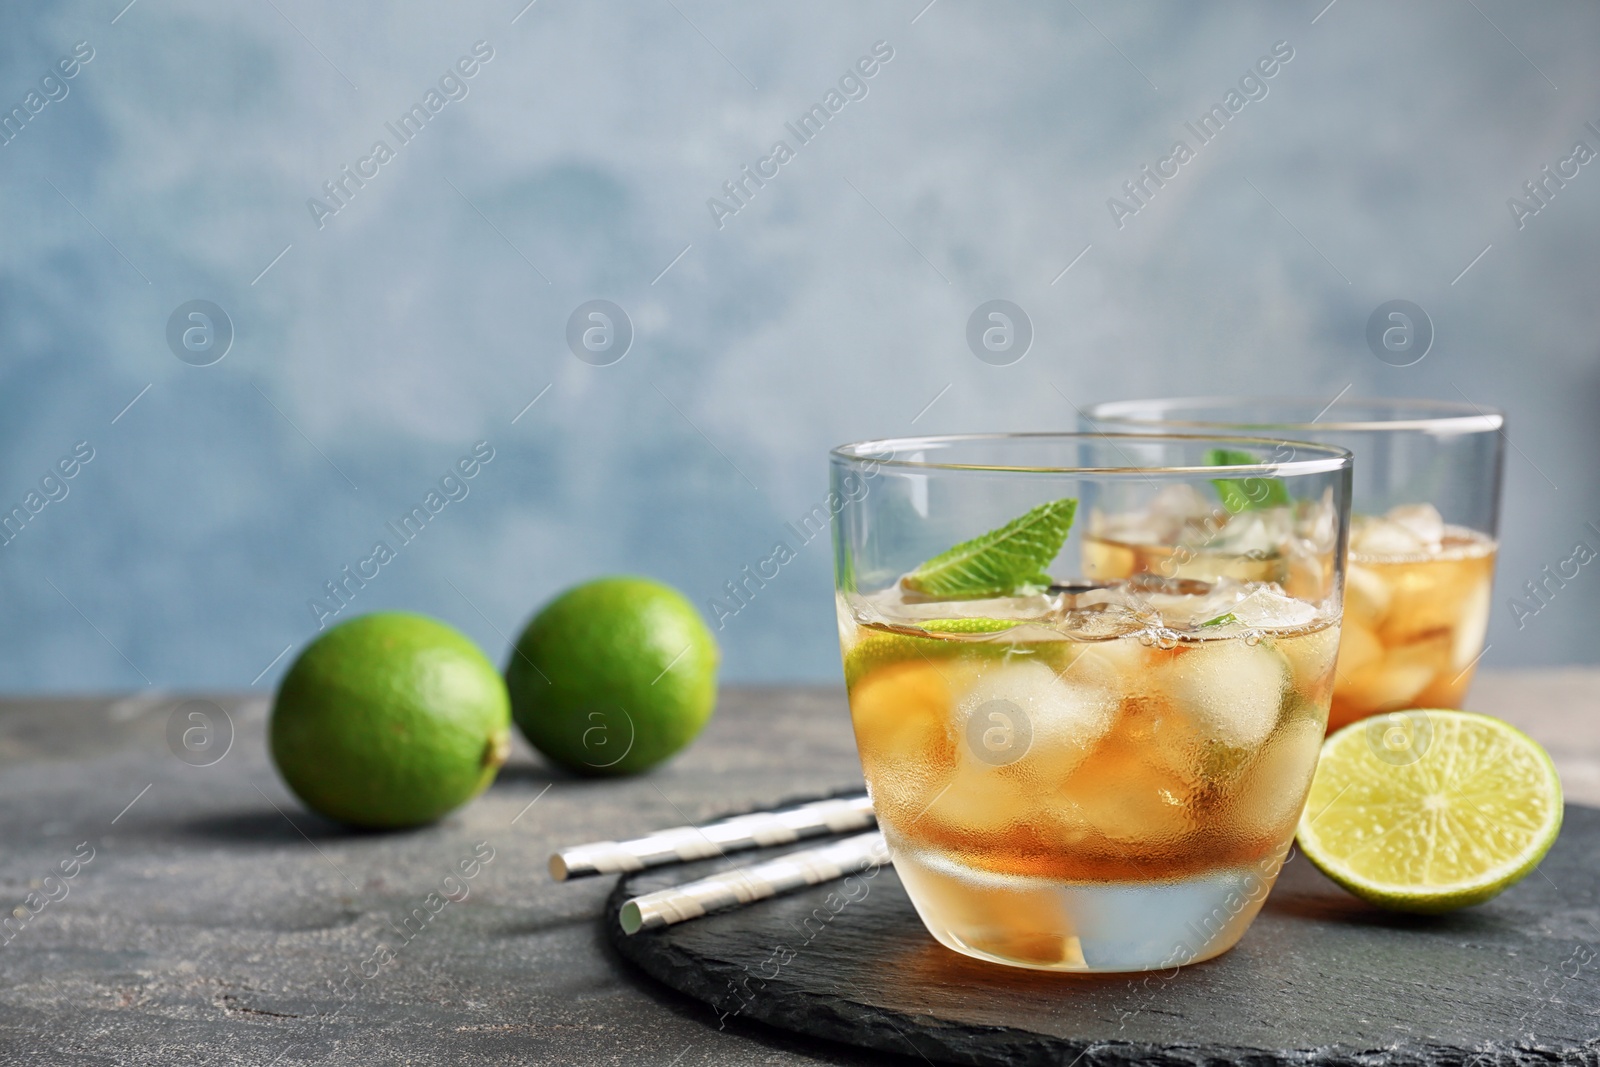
{"type": "Point", "coordinates": [1001, 561]}
{"type": "Point", "coordinates": [1220, 620]}
{"type": "Point", "coordinates": [1245, 494]}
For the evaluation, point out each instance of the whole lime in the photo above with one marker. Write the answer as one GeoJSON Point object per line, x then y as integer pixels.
{"type": "Point", "coordinates": [390, 720]}
{"type": "Point", "coordinates": [613, 676]}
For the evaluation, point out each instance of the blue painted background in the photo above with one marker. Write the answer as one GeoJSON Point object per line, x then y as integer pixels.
{"type": "Point", "coordinates": [375, 346]}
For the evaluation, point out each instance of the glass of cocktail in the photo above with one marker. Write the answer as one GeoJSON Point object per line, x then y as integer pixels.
{"type": "Point", "coordinates": [1083, 774]}
{"type": "Point", "coordinates": [1425, 509]}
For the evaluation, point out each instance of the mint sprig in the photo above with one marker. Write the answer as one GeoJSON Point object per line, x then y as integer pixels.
{"type": "Point", "coordinates": [1000, 562]}
{"type": "Point", "coordinates": [1245, 494]}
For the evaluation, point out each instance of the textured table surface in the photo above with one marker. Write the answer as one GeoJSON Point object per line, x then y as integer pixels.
{"type": "Point", "coordinates": [210, 919]}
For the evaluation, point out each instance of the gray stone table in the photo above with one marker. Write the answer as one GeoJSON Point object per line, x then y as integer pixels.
{"type": "Point", "coordinates": [209, 919]}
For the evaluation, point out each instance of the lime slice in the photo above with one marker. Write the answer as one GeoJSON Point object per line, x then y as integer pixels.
{"type": "Point", "coordinates": [1000, 562]}
{"type": "Point", "coordinates": [880, 649]}
{"type": "Point", "coordinates": [1430, 810]}
{"type": "Point", "coordinates": [968, 626]}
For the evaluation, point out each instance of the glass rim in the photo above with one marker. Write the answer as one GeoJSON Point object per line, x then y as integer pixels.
{"type": "Point", "coordinates": [1327, 457]}
{"type": "Point", "coordinates": [1426, 415]}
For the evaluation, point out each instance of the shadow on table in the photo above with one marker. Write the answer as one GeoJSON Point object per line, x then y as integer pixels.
{"type": "Point", "coordinates": [268, 826]}
{"type": "Point", "coordinates": [1304, 893]}
{"type": "Point", "coordinates": [1336, 907]}
{"type": "Point", "coordinates": [537, 772]}
{"type": "Point", "coordinates": [289, 823]}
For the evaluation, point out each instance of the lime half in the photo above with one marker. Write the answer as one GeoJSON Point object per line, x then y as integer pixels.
{"type": "Point", "coordinates": [1430, 810]}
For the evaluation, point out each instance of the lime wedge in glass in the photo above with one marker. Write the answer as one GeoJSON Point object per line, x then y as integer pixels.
{"type": "Point", "coordinates": [879, 649]}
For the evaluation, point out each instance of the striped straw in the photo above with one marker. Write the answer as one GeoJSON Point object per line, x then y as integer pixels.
{"type": "Point", "coordinates": [742, 885]}
{"type": "Point", "coordinates": [683, 843]}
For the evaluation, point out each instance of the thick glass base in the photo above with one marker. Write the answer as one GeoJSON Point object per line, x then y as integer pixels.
{"type": "Point", "coordinates": [1061, 926]}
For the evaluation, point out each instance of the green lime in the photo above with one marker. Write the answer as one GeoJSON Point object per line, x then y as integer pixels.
{"type": "Point", "coordinates": [1430, 810]}
{"type": "Point", "coordinates": [881, 648]}
{"type": "Point", "coordinates": [390, 720]}
{"type": "Point", "coordinates": [969, 626]}
{"type": "Point", "coordinates": [613, 676]}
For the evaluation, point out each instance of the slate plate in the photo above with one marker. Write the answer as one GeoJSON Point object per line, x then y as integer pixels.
{"type": "Point", "coordinates": [1320, 978]}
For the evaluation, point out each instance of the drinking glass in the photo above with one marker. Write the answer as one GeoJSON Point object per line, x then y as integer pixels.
{"type": "Point", "coordinates": [1426, 508]}
{"type": "Point", "coordinates": [1082, 774]}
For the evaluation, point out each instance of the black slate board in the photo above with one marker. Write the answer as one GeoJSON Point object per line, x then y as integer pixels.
{"type": "Point", "coordinates": [1320, 978]}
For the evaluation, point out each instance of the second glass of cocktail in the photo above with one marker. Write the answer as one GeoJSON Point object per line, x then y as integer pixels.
{"type": "Point", "coordinates": [1425, 506]}
{"type": "Point", "coordinates": [1084, 775]}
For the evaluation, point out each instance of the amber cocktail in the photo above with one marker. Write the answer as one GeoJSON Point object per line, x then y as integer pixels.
{"type": "Point", "coordinates": [1422, 533]}
{"type": "Point", "coordinates": [1076, 774]}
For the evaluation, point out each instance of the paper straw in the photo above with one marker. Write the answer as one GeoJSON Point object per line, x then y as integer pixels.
{"type": "Point", "coordinates": [683, 843]}
{"type": "Point", "coordinates": [742, 885]}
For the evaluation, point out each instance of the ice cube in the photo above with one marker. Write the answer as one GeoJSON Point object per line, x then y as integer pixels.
{"type": "Point", "coordinates": [1311, 659]}
{"type": "Point", "coordinates": [1384, 537]}
{"type": "Point", "coordinates": [902, 711]}
{"type": "Point", "coordinates": [1308, 570]}
{"type": "Point", "coordinates": [1128, 594]}
{"type": "Point", "coordinates": [1181, 603]}
{"type": "Point", "coordinates": [1358, 647]}
{"type": "Point", "coordinates": [1406, 530]}
{"type": "Point", "coordinates": [1066, 730]}
{"type": "Point", "coordinates": [1138, 785]}
{"type": "Point", "coordinates": [1366, 596]}
{"type": "Point", "coordinates": [1431, 598]}
{"type": "Point", "coordinates": [1266, 608]}
{"type": "Point", "coordinates": [1422, 520]}
{"type": "Point", "coordinates": [1181, 501]}
{"type": "Point", "coordinates": [1273, 789]}
{"type": "Point", "coordinates": [979, 800]}
{"type": "Point", "coordinates": [1230, 689]}
{"type": "Point", "coordinates": [1471, 625]}
{"type": "Point", "coordinates": [1108, 561]}
{"type": "Point", "coordinates": [1025, 719]}
{"type": "Point", "coordinates": [901, 716]}
{"type": "Point", "coordinates": [1168, 514]}
{"type": "Point", "coordinates": [1098, 622]}
{"type": "Point", "coordinates": [1393, 681]}
{"type": "Point", "coordinates": [1127, 803]}
{"type": "Point", "coordinates": [1254, 533]}
{"type": "Point", "coordinates": [1016, 731]}
{"type": "Point", "coordinates": [1177, 506]}
{"type": "Point", "coordinates": [1166, 745]}
{"type": "Point", "coordinates": [1120, 667]}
